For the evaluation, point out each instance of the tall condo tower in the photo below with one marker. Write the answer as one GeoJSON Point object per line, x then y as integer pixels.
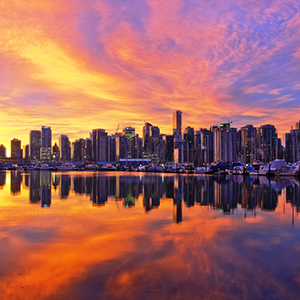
{"type": "Point", "coordinates": [46, 144]}
{"type": "Point", "coordinates": [177, 122]}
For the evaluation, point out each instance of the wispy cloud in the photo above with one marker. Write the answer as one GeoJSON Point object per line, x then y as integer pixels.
{"type": "Point", "coordinates": [81, 65]}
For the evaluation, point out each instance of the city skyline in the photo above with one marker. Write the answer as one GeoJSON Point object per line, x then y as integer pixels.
{"type": "Point", "coordinates": [77, 66]}
{"type": "Point", "coordinates": [139, 131]}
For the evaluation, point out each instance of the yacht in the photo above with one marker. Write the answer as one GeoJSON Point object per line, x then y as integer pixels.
{"type": "Point", "coordinates": [66, 167]}
{"type": "Point", "coordinates": [45, 167]}
{"type": "Point", "coordinates": [91, 167]}
{"type": "Point", "coordinates": [272, 167]}
{"type": "Point", "coordinates": [108, 167]}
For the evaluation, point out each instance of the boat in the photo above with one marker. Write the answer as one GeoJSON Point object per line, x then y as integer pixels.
{"type": "Point", "coordinates": [66, 167]}
{"type": "Point", "coordinates": [285, 171]}
{"type": "Point", "coordinates": [91, 167]}
{"type": "Point", "coordinates": [108, 167]}
{"type": "Point", "coordinates": [272, 168]}
{"type": "Point", "coordinates": [200, 170]}
{"type": "Point", "coordinates": [142, 168]}
{"type": "Point", "coordinates": [155, 168]}
{"type": "Point", "coordinates": [46, 167]}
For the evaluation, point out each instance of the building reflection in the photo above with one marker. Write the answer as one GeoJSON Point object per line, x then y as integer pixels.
{"type": "Point", "coordinates": [225, 194]}
{"type": "Point", "coordinates": [45, 181]}
{"type": "Point", "coordinates": [2, 179]}
{"type": "Point", "coordinates": [64, 186]}
{"type": "Point", "coordinates": [177, 200]}
{"type": "Point", "coordinates": [35, 188]}
{"type": "Point", "coordinates": [15, 182]}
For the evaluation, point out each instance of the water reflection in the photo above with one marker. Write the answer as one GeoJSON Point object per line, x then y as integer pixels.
{"type": "Point", "coordinates": [223, 193]}
{"type": "Point", "coordinates": [91, 241]}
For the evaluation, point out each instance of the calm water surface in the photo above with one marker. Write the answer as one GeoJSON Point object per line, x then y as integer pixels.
{"type": "Point", "coordinates": [85, 235]}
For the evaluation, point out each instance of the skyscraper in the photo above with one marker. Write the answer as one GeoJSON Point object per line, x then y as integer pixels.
{"type": "Point", "coordinates": [35, 145]}
{"type": "Point", "coordinates": [248, 144]}
{"type": "Point", "coordinates": [268, 142]}
{"type": "Point", "coordinates": [99, 139]}
{"type": "Point", "coordinates": [26, 153]}
{"type": "Point", "coordinates": [177, 122]}
{"type": "Point", "coordinates": [225, 143]}
{"type": "Point", "coordinates": [121, 147]}
{"type": "Point", "coordinates": [55, 152]}
{"type": "Point", "coordinates": [2, 151]}
{"type": "Point", "coordinates": [177, 134]}
{"type": "Point", "coordinates": [147, 138]}
{"type": "Point", "coordinates": [46, 144]}
{"type": "Point", "coordinates": [15, 146]}
{"type": "Point", "coordinates": [128, 132]}
{"type": "Point", "coordinates": [65, 148]}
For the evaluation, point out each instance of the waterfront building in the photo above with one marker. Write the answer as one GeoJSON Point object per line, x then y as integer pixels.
{"type": "Point", "coordinates": [162, 148]}
{"type": "Point", "coordinates": [78, 150]}
{"type": "Point", "coordinates": [55, 153]}
{"type": "Point", "coordinates": [46, 144]}
{"type": "Point", "coordinates": [268, 143]}
{"type": "Point", "coordinates": [65, 148]}
{"type": "Point", "coordinates": [177, 135]}
{"type": "Point", "coordinates": [88, 150]}
{"type": "Point", "coordinates": [121, 147]}
{"type": "Point", "coordinates": [136, 147]}
{"type": "Point", "coordinates": [111, 148]}
{"type": "Point", "coordinates": [248, 144]}
{"type": "Point", "coordinates": [2, 151]}
{"type": "Point", "coordinates": [128, 132]}
{"type": "Point", "coordinates": [177, 122]}
{"type": "Point", "coordinates": [147, 138]}
{"type": "Point", "coordinates": [225, 143]}
{"type": "Point", "coordinates": [25, 153]}
{"type": "Point", "coordinates": [35, 145]}
{"type": "Point", "coordinates": [99, 140]}
{"type": "Point", "coordinates": [15, 146]}
{"type": "Point", "coordinates": [292, 144]}
{"type": "Point", "coordinates": [188, 137]}
{"type": "Point", "coordinates": [207, 146]}
{"type": "Point", "coordinates": [169, 147]}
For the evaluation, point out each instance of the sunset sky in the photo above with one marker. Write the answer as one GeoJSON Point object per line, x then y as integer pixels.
{"type": "Point", "coordinates": [78, 65]}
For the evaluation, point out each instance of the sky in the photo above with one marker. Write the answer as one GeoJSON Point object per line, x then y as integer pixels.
{"type": "Point", "coordinates": [80, 65]}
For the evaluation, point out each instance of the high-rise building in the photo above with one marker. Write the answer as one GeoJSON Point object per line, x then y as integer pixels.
{"type": "Point", "coordinates": [207, 147]}
{"type": "Point", "coordinates": [292, 145]}
{"type": "Point", "coordinates": [136, 147]}
{"type": "Point", "coordinates": [46, 144]}
{"type": "Point", "coordinates": [55, 152]}
{"type": "Point", "coordinates": [99, 140]}
{"type": "Point", "coordinates": [188, 137]}
{"type": "Point", "coordinates": [2, 151]}
{"type": "Point", "coordinates": [121, 147]}
{"type": "Point", "coordinates": [177, 134]}
{"type": "Point", "coordinates": [26, 153]}
{"type": "Point", "coordinates": [128, 132]}
{"type": "Point", "coordinates": [78, 150]}
{"type": "Point", "coordinates": [15, 146]}
{"type": "Point", "coordinates": [147, 138]}
{"type": "Point", "coordinates": [35, 145]}
{"type": "Point", "coordinates": [88, 150]}
{"type": "Point", "coordinates": [177, 122]}
{"type": "Point", "coordinates": [225, 143]}
{"type": "Point", "coordinates": [65, 148]}
{"type": "Point", "coordinates": [248, 145]}
{"type": "Point", "coordinates": [268, 142]}
{"type": "Point", "coordinates": [111, 148]}
{"type": "Point", "coordinates": [169, 140]}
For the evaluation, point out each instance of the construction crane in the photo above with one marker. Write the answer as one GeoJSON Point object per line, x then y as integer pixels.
{"type": "Point", "coordinates": [118, 128]}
